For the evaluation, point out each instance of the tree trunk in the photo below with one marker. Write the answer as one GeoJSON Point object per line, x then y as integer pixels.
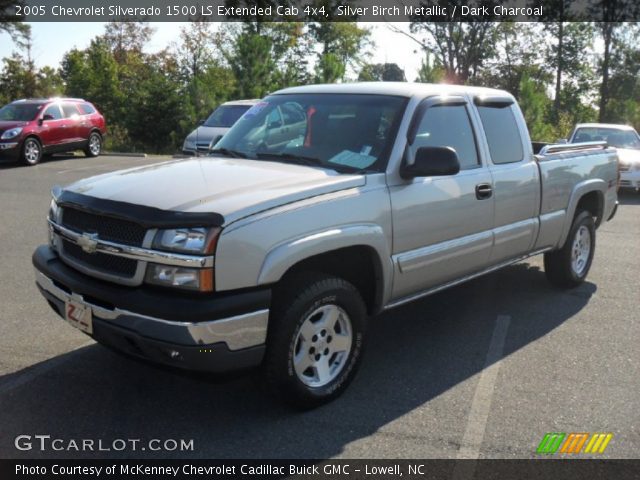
{"type": "Point", "coordinates": [604, 87]}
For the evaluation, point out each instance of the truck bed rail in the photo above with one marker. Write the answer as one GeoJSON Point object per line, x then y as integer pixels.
{"type": "Point", "coordinates": [572, 147]}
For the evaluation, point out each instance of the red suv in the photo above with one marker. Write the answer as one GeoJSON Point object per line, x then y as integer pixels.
{"type": "Point", "coordinates": [32, 128]}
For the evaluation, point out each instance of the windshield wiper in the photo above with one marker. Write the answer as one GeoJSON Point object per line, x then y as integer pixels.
{"type": "Point", "coordinates": [228, 153]}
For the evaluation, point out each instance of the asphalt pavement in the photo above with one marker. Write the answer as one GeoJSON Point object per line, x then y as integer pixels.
{"type": "Point", "coordinates": [484, 370]}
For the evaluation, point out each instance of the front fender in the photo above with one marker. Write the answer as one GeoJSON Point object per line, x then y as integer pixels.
{"type": "Point", "coordinates": [284, 256]}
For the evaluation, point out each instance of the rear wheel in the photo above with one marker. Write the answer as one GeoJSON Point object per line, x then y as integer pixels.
{"type": "Point", "coordinates": [569, 266]}
{"type": "Point", "coordinates": [315, 340]}
{"type": "Point", "coordinates": [94, 145]}
{"type": "Point", "coordinates": [31, 151]}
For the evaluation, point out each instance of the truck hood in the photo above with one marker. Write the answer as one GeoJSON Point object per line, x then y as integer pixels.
{"type": "Point", "coordinates": [234, 188]}
{"type": "Point", "coordinates": [628, 155]}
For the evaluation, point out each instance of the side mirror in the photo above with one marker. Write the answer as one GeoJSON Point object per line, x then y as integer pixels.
{"type": "Point", "coordinates": [562, 141]}
{"type": "Point", "coordinates": [45, 118]}
{"type": "Point", "coordinates": [432, 162]}
{"type": "Point", "coordinates": [201, 122]}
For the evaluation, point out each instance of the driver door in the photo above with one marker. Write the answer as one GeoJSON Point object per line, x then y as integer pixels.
{"type": "Point", "coordinates": [442, 225]}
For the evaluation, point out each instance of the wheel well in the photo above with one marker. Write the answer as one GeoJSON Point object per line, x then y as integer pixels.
{"type": "Point", "coordinates": [32, 135]}
{"type": "Point", "coordinates": [358, 265]}
{"type": "Point", "coordinates": [593, 203]}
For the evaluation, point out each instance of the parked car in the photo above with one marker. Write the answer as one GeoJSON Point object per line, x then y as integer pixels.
{"type": "Point", "coordinates": [626, 141]}
{"type": "Point", "coordinates": [32, 128]}
{"type": "Point", "coordinates": [278, 253]}
{"type": "Point", "coordinates": [203, 138]}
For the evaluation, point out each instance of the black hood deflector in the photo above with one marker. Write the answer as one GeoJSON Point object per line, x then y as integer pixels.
{"type": "Point", "coordinates": [149, 217]}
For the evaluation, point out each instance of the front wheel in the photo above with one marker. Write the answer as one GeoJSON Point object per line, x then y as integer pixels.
{"type": "Point", "coordinates": [31, 151]}
{"type": "Point", "coordinates": [94, 145]}
{"type": "Point", "coordinates": [569, 266]}
{"type": "Point", "coordinates": [316, 336]}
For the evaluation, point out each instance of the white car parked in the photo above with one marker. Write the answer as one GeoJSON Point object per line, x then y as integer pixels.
{"type": "Point", "coordinates": [624, 138]}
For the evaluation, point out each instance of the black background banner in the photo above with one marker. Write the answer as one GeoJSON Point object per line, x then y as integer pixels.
{"type": "Point", "coordinates": [318, 10]}
{"type": "Point", "coordinates": [548, 468]}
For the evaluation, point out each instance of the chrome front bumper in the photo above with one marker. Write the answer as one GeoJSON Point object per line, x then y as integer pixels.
{"type": "Point", "coordinates": [238, 332]}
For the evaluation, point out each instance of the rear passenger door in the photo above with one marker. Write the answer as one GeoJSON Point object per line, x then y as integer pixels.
{"type": "Point", "coordinates": [72, 123]}
{"type": "Point", "coordinates": [516, 178]}
{"type": "Point", "coordinates": [442, 226]}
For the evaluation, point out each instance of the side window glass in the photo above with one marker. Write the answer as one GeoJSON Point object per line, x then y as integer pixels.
{"type": "Point", "coordinates": [448, 126]}
{"type": "Point", "coordinates": [54, 111]}
{"type": "Point", "coordinates": [70, 110]}
{"type": "Point", "coordinates": [292, 113]}
{"type": "Point", "coordinates": [87, 109]}
{"type": "Point", "coordinates": [503, 135]}
{"type": "Point", "coordinates": [273, 119]}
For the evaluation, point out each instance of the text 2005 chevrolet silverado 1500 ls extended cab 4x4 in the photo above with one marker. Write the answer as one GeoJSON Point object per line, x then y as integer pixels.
{"type": "Point", "coordinates": [321, 207]}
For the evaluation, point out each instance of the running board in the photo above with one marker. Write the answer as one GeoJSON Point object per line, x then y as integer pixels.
{"type": "Point", "coordinates": [453, 283]}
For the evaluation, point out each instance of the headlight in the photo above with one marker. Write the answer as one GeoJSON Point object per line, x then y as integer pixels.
{"type": "Point", "coordinates": [54, 211]}
{"type": "Point", "coordinates": [199, 279]}
{"type": "Point", "coordinates": [12, 133]}
{"type": "Point", "coordinates": [54, 216]}
{"type": "Point", "coordinates": [189, 144]}
{"type": "Point", "coordinates": [187, 240]}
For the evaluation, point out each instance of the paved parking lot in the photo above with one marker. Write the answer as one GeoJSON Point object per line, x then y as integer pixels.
{"type": "Point", "coordinates": [484, 369]}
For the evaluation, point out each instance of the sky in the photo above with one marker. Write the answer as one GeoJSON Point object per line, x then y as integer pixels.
{"type": "Point", "coordinates": [52, 40]}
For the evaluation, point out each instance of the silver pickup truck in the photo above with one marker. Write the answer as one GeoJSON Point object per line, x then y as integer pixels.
{"type": "Point", "coordinates": [323, 206]}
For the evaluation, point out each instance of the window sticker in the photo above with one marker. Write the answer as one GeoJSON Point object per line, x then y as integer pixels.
{"type": "Point", "coordinates": [353, 159]}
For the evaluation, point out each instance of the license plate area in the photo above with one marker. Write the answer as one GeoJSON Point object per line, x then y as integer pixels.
{"type": "Point", "coordinates": [79, 315]}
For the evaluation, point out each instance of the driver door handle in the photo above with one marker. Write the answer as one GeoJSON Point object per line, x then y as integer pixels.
{"type": "Point", "coordinates": [484, 191]}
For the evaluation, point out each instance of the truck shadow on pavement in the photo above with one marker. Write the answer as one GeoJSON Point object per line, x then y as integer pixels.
{"type": "Point", "coordinates": [415, 354]}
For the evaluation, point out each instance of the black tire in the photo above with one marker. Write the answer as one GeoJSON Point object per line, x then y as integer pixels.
{"type": "Point", "coordinates": [31, 153]}
{"type": "Point", "coordinates": [94, 145]}
{"type": "Point", "coordinates": [293, 305]}
{"type": "Point", "coordinates": [559, 266]}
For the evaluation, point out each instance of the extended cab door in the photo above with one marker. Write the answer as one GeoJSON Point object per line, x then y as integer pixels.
{"type": "Point", "coordinates": [516, 177]}
{"type": "Point", "coordinates": [442, 226]}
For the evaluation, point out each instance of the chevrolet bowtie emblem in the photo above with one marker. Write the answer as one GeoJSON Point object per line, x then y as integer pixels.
{"type": "Point", "coordinates": [88, 242]}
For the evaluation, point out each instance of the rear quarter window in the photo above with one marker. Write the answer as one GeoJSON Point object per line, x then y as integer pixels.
{"type": "Point", "coordinates": [503, 135]}
{"type": "Point", "coordinates": [87, 109]}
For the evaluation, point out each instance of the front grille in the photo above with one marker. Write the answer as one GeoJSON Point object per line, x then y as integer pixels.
{"type": "Point", "coordinates": [109, 264]}
{"type": "Point", "coordinates": [107, 228]}
{"type": "Point", "coordinates": [203, 147]}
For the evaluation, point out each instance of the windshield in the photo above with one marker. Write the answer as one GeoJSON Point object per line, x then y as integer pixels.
{"type": "Point", "coordinates": [21, 112]}
{"type": "Point", "coordinates": [613, 136]}
{"type": "Point", "coordinates": [226, 115]}
{"type": "Point", "coordinates": [344, 132]}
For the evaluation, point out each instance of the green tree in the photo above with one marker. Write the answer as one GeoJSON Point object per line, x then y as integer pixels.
{"type": "Point", "coordinates": [462, 48]}
{"type": "Point", "coordinates": [612, 14]}
{"type": "Point", "coordinates": [343, 45]}
{"type": "Point", "coordinates": [535, 105]}
{"type": "Point", "coordinates": [430, 71]}
{"type": "Point", "coordinates": [624, 82]}
{"type": "Point", "coordinates": [567, 55]}
{"type": "Point", "coordinates": [11, 24]}
{"type": "Point", "coordinates": [382, 72]}
{"type": "Point", "coordinates": [152, 123]}
{"type": "Point", "coordinates": [253, 65]}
